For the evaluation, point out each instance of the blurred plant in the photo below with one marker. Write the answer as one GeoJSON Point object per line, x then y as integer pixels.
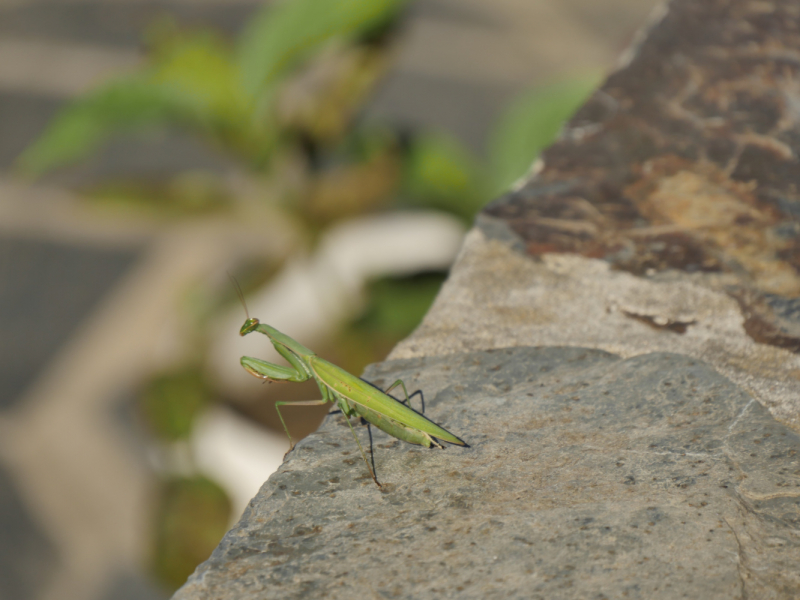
{"type": "Point", "coordinates": [192, 513]}
{"type": "Point", "coordinates": [283, 101]}
{"type": "Point", "coordinates": [440, 173]}
{"type": "Point", "coordinates": [171, 402]}
{"type": "Point", "coordinates": [289, 58]}
{"type": "Point", "coordinates": [191, 517]}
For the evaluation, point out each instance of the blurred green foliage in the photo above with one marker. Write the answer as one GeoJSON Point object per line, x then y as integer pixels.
{"type": "Point", "coordinates": [198, 82]}
{"type": "Point", "coordinates": [192, 515]}
{"type": "Point", "coordinates": [281, 36]}
{"type": "Point", "coordinates": [284, 100]}
{"type": "Point", "coordinates": [395, 306]}
{"type": "Point", "coordinates": [440, 173]}
{"type": "Point", "coordinates": [171, 402]}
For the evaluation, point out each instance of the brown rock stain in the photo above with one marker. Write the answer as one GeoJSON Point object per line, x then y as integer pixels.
{"type": "Point", "coordinates": [724, 218]}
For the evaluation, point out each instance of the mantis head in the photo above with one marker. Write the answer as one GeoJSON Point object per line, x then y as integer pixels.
{"type": "Point", "coordinates": [249, 326]}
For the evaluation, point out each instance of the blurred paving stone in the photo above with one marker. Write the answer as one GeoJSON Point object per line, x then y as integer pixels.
{"type": "Point", "coordinates": [23, 117]}
{"type": "Point", "coordinates": [132, 586]}
{"type": "Point", "coordinates": [147, 158]}
{"type": "Point", "coordinates": [608, 19]}
{"type": "Point", "coordinates": [423, 102]}
{"type": "Point", "coordinates": [59, 69]}
{"type": "Point", "coordinates": [588, 476]}
{"type": "Point", "coordinates": [115, 23]}
{"type": "Point", "coordinates": [46, 289]}
{"type": "Point", "coordinates": [27, 557]}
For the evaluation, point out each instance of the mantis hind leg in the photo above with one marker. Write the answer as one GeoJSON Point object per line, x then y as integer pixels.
{"type": "Point", "coordinates": [295, 403]}
{"type": "Point", "coordinates": [405, 391]}
{"type": "Point", "coordinates": [363, 455]}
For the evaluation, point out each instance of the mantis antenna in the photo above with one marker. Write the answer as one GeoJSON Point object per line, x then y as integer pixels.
{"type": "Point", "coordinates": [239, 294]}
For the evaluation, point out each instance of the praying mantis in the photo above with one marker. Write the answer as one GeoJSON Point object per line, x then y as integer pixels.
{"type": "Point", "coordinates": [354, 396]}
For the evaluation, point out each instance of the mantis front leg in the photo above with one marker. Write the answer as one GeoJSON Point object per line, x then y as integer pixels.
{"type": "Point", "coordinates": [272, 372]}
{"type": "Point", "coordinates": [297, 372]}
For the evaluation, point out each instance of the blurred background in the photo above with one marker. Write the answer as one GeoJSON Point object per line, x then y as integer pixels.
{"type": "Point", "coordinates": [328, 154]}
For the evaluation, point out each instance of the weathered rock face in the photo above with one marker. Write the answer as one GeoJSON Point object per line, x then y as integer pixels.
{"type": "Point", "coordinates": [665, 218]}
{"type": "Point", "coordinates": [587, 476]}
{"type": "Point", "coordinates": [497, 297]}
{"type": "Point", "coordinates": [687, 158]}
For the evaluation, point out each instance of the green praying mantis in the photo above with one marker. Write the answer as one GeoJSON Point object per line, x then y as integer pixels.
{"type": "Point", "coordinates": [354, 396]}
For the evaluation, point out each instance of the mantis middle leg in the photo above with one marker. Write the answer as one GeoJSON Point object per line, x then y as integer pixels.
{"type": "Point", "coordinates": [405, 391]}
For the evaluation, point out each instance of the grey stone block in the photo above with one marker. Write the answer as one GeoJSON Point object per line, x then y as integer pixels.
{"type": "Point", "coordinates": [27, 555]}
{"type": "Point", "coordinates": [587, 476]}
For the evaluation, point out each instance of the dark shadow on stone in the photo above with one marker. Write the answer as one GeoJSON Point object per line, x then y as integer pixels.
{"type": "Point", "coordinates": [27, 557]}
{"type": "Point", "coordinates": [46, 290]}
{"type": "Point", "coordinates": [114, 24]}
{"type": "Point", "coordinates": [132, 586]}
{"type": "Point", "coordinates": [23, 117]}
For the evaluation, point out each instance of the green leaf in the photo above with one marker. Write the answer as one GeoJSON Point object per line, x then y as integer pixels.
{"type": "Point", "coordinates": [281, 35]}
{"type": "Point", "coordinates": [440, 173]}
{"type": "Point", "coordinates": [529, 125]}
{"type": "Point", "coordinates": [199, 67]}
{"type": "Point", "coordinates": [191, 83]}
{"type": "Point", "coordinates": [199, 72]}
{"type": "Point", "coordinates": [172, 401]}
{"type": "Point", "coordinates": [192, 515]}
{"type": "Point", "coordinates": [81, 127]}
{"type": "Point", "coordinates": [398, 304]}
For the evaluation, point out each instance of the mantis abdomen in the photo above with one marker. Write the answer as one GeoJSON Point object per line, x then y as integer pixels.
{"type": "Point", "coordinates": [393, 428]}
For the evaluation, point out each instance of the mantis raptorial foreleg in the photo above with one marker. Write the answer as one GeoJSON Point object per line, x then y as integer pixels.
{"type": "Point", "coordinates": [272, 372]}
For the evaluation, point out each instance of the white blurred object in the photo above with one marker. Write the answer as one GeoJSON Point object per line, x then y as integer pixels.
{"type": "Point", "coordinates": [236, 453]}
{"type": "Point", "coordinates": [313, 295]}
